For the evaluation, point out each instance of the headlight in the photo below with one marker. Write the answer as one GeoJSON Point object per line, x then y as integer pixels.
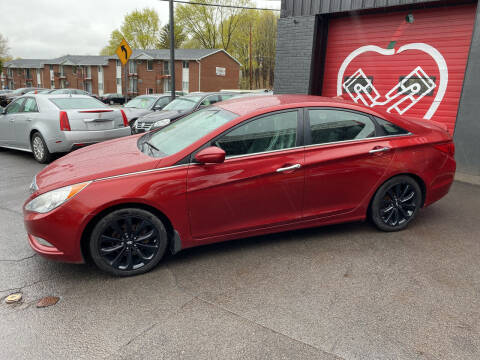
{"type": "Point", "coordinates": [53, 199]}
{"type": "Point", "coordinates": [33, 185]}
{"type": "Point", "coordinates": [161, 123]}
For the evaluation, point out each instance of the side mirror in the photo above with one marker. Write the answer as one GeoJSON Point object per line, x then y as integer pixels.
{"type": "Point", "coordinates": [210, 155]}
{"type": "Point", "coordinates": [156, 108]}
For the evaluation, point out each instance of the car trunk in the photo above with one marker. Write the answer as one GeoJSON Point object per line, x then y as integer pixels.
{"type": "Point", "coordinates": [95, 120]}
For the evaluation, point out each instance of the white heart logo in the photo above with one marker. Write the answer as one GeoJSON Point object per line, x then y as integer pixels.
{"type": "Point", "coordinates": [402, 96]}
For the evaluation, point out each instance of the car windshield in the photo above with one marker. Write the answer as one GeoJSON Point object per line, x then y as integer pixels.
{"type": "Point", "coordinates": [183, 103]}
{"type": "Point", "coordinates": [77, 103]}
{"type": "Point", "coordinates": [184, 132]}
{"type": "Point", "coordinates": [141, 102]}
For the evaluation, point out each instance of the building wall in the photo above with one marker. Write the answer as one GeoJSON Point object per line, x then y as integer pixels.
{"type": "Point", "coordinates": [293, 61]}
{"type": "Point", "coordinates": [209, 81]}
{"type": "Point", "coordinates": [467, 129]}
{"type": "Point", "coordinates": [146, 79]}
{"type": "Point", "coordinates": [312, 7]}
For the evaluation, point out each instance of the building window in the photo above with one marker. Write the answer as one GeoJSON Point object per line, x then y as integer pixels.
{"type": "Point", "coordinates": [149, 91]}
{"type": "Point", "coordinates": [60, 70]}
{"type": "Point", "coordinates": [132, 67]}
{"type": "Point", "coordinates": [166, 85]}
{"type": "Point", "coordinates": [74, 70]}
{"type": "Point", "coordinates": [50, 67]}
{"type": "Point", "coordinates": [133, 85]}
{"type": "Point", "coordinates": [52, 84]}
{"type": "Point", "coordinates": [185, 86]}
{"type": "Point", "coordinates": [149, 65]}
{"type": "Point", "coordinates": [29, 84]}
{"type": "Point", "coordinates": [119, 81]}
{"type": "Point", "coordinates": [166, 68]}
{"type": "Point", "coordinates": [185, 65]}
{"type": "Point", "coordinates": [19, 72]}
{"type": "Point", "coordinates": [28, 73]}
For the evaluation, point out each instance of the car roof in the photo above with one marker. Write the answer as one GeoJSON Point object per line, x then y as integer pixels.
{"type": "Point", "coordinates": [246, 105]}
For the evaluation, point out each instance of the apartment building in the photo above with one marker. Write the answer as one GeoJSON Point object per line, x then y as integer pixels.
{"type": "Point", "coordinates": [148, 71]}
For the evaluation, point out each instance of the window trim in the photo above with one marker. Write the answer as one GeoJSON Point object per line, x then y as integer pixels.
{"type": "Point", "coordinates": [151, 62]}
{"type": "Point", "coordinates": [299, 141]}
{"type": "Point", "coordinates": [378, 129]}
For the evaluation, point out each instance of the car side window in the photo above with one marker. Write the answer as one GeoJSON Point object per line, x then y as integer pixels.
{"type": "Point", "coordinates": [327, 125]}
{"type": "Point", "coordinates": [389, 128]}
{"type": "Point", "coordinates": [209, 100]}
{"type": "Point", "coordinates": [162, 102]}
{"type": "Point", "coordinates": [30, 105]}
{"type": "Point", "coordinates": [272, 132]}
{"type": "Point", "coordinates": [15, 107]}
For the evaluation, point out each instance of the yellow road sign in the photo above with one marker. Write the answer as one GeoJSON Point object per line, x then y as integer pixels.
{"type": "Point", "coordinates": [124, 51]}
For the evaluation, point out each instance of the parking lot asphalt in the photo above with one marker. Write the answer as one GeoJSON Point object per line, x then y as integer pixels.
{"type": "Point", "coordinates": [339, 292]}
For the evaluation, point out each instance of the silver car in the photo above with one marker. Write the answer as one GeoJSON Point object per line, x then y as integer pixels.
{"type": "Point", "coordinates": [47, 124]}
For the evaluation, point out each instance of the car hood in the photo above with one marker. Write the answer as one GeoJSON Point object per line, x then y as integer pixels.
{"type": "Point", "coordinates": [163, 114]}
{"type": "Point", "coordinates": [133, 113]}
{"type": "Point", "coordinates": [105, 159]}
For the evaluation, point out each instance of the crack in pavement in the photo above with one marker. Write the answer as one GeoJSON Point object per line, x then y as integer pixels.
{"type": "Point", "coordinates": [18, 260]}
{"type": "Point", "coordinates": [21, 288]}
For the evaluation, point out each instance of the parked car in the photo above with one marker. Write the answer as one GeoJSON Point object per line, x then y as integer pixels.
{"type": "Point", "coordinates": [112, 99]}
{"type": "Point", "coordinates": [6, 91]}
{"type": "Point", "coordinates": [145, 104]}
{"type": "Point", "coordinates": [240, 168]}
{"type": "Point", "coordinates": [46, 124]}
{"type": "Point", "coordinates": [7, 98]}
{"type": "Point", "coordinates": [179, 107]}
{"type": "Point", "coordinates": [69, 92]}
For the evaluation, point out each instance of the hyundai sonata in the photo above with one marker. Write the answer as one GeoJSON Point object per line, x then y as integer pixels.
{"type": "Point", "coordinates": [243, 167]}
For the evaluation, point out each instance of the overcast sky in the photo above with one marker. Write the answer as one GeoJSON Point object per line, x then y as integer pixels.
{"type": "Point", "coordinates": [51, 28]}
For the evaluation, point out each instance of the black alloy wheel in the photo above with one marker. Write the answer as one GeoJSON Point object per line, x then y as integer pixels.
{"type": "Point", "coordinates": [128, 242]}
{"type": "Point", "coordinates": [396, 203]}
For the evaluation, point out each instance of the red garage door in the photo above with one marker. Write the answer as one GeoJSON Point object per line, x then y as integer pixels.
{"type": "Point", "coordinates": [409, 65]}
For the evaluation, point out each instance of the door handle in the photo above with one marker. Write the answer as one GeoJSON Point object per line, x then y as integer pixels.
{"type": "Point", "coordinates": [379, 149]}
{"type": "Point", "coordinates": [293, 167]}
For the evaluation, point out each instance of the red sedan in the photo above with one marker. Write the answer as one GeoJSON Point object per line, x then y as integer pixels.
{"type": "Point", "coordinates": [243, 167]}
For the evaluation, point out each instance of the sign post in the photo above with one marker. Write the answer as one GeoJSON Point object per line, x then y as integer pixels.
{"type": "Point", "coordinates": [124, 51]}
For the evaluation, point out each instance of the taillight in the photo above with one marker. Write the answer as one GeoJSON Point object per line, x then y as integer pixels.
{"type": "Point", "coordinates": [447, 148]}
{"type": "Point", "coordinates": [64, 123]}
{"type": "Point", "coordinates": [125, 120]}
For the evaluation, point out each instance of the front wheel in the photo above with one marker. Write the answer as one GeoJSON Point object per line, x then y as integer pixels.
{"type": "Point", "coordinates": [128, 242]}
{"type": "Point", "coordinates": [396, 203]}
{"type": "Point", "coordinates": [40, 150]}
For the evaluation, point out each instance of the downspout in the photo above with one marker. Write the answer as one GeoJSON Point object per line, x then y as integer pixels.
{"type": "Point", "coordinates": [199, 72]}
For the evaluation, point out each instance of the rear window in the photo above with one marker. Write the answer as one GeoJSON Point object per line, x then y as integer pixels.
{"type": "Point", "coordinates": [389, 128]}
{"type": "Point", "coordinates": [77, 103]}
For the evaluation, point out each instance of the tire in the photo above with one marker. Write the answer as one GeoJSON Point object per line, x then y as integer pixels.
{"type": "Point", "coordinates": [396, 203]}
{"type": "Point", "coordinates": [116, 244]}
{"type": "Point", "coordinates": [40, 149]}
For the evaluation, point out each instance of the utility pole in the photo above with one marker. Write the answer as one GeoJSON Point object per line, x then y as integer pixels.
{"type": "Point", "coordinates": [125, 69]}
{"type": "Point", "coordinates": [172, 50]}
{"type": "Point", "coordinates": [251, 85]}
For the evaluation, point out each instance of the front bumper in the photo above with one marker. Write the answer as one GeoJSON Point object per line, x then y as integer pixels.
{"type": "Point", "coordinates": [61, 228]}
{"type": "Point", "coordinates": [74, 139]}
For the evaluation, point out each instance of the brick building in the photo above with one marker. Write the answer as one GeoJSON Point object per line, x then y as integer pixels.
{"type": "Point", "coordinates": [147, 72]}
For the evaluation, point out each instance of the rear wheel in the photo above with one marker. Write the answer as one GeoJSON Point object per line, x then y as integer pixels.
{"type": "Point", "coordinates": [396, 203]}
{"type": "Point", "coordinates": [128, 242]}
{"type": "Point", "coordinates": [40, 150]}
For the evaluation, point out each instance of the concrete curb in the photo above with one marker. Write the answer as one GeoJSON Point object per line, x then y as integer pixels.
{"type": "Point", "coordinates": [466, 178]}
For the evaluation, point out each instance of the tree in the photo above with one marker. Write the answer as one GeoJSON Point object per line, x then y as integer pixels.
{"type": "Point", "coordinates": [164, 41]}
{"type": "Point", "coordinates": [211, 26]}
{"type": "Point", "coordinates": [140, 28]}
{"type": "Point", "coordinates": [4, 51]}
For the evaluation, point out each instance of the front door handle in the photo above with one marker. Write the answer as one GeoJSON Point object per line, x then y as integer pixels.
{"type": "Point", "coordinates": [293, 167]}
{"type": "Point", "coordinates": [379, 149]}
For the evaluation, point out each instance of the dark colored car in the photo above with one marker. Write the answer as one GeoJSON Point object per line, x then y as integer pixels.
{"type": "Point", "coordinates": [243, 167]}
{"type": "Point", "coordinates": [7, 98]}
{"type": "Point", "coordinates": [113, 99]}
{"type": "Point", "coordinates": [145, 104]}
{"type": "Point", "coordinates": [178, 108]}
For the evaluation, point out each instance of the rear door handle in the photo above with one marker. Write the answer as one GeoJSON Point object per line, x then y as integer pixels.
{"type": "Point", "coordinates": [293, 167]}
{"type": "Point", "coordinates": [379, 149]}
